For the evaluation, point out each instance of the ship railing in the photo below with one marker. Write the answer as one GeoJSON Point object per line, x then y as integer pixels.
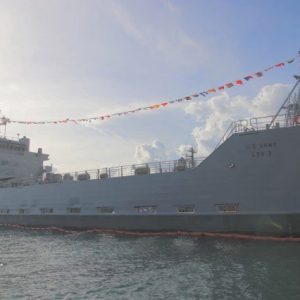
{"type": "Point", "coordinates": [113, 172]}
{"type": "Point", "coordinates": [126, 170]}
{"type": "Point", "coordinates": [263, 123]}
{"type": "Point", "coordinates": [257, 124]}
{"type": "Point", "coordinates": [234, 127]}
{"type": "Point", "coordinates": [9, 138]}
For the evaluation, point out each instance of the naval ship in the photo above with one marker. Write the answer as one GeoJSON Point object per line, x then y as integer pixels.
{"type": "Point", "coordinates": [247, 185]}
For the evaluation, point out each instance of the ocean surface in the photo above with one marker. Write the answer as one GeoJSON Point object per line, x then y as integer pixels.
{"type": "Point", "coordinates": [51, 265]}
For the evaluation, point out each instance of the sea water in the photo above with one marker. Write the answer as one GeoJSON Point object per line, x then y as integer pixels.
{"type": "Point", "coordinates": [49, 265]}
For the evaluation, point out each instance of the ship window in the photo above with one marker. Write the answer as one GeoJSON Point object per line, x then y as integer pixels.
{"type": "Point", "coordinates": [146, 209]}
{"type": "Point", "coordinates": [24, 211]}
{"type": "Point", "coordinates": [105, 210]}
{"type": "Point", "coordinates": [4, 211]}
{"type": "Point", "coordinates": [46, 210]}
{"type": "Point", "coordinates": [74, 210]}
{"type": "Point", "coordinates": [227, 207]}
{"type": "Point", "coordinates": [186, 209]}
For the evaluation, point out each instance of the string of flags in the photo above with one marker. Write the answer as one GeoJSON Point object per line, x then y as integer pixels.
{"type": "Point", "coordinates": [228, 85]}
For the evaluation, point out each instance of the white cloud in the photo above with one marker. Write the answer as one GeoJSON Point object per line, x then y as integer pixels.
{"type": "Point", "coordinates": [148, 153]}
{"type": "Point", "coordinates": [269, 99]}
{"type": "Point", "coordinates": [215, 114]}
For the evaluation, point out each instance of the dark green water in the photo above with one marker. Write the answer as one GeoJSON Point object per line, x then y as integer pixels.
{"type": "Point", "coordinates": [45, 265]}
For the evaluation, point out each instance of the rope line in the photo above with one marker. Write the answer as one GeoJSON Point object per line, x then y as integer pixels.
{"type": "Point", "coordinates": [234, 236]}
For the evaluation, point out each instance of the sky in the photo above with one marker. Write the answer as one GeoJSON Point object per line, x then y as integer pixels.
{"type": "Point", "coordinates": [74, 59]}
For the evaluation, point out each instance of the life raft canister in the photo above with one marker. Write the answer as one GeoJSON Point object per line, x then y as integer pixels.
{"type": "Point", "coordinates": [297, 119]}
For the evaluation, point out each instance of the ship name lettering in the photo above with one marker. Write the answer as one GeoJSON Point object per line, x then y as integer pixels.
{"type": "Point", "coordinates": [262, 145]}
{"type": "Point", "coordinates": [262, 149]}
{"type": "Point", "coordinates": [265, 153]}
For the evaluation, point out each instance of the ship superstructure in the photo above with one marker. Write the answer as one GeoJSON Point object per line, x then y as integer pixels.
{"type": "Point", "coordinates": [247, 184]}
{"type": "Point", "coordinates": [19, 166]}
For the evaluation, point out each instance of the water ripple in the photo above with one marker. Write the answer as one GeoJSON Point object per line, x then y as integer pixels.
{"type": "Point", "coordinates": [43, 265]}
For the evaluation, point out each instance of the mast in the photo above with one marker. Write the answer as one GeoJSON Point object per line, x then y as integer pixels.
{"type": "Point", "coordinates": [191, 156]}
{"type": "Point", "coordinates": [3, 122]}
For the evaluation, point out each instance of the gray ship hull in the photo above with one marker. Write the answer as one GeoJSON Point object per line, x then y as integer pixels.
{"type": "Point", "coordinates": [268, 225]}
{"type": "Point", "coordinates": [250, 184]}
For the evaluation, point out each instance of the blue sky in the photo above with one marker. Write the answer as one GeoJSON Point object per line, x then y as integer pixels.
{"type": "Point", "coordinates": [78, 59]}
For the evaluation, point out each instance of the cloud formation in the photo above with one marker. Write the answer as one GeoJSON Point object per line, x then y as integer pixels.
{"type": "Point", "coordinates": [147, 153]}
{"type": "Point", "coordinates": [215, 115]}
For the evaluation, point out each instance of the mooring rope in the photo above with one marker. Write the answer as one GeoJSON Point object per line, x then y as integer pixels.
{"type": "Point", "coordinates": [236, 236]}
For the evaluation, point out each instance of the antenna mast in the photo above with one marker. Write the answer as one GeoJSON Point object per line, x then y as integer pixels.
{"type": "Point", "coordinates": [191, 156]}
{"type": "Point", "coordinates": [3, 122]}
